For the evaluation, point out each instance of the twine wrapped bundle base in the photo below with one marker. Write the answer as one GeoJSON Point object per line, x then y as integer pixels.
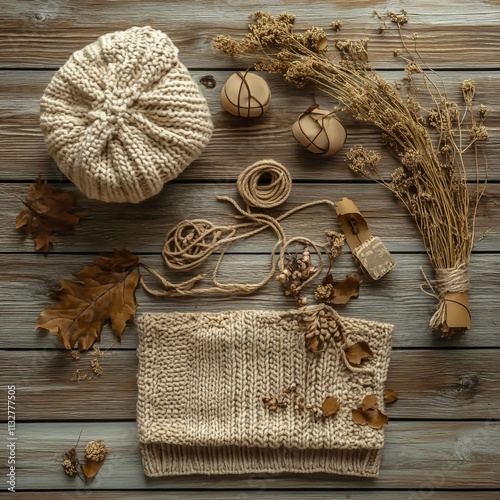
{"type": "Point", "coordinates": [203, 378]}
{"type": "Point", "coordinates": [451, 289]}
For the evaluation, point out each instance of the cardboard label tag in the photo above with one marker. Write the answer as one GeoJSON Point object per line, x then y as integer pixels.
{"type": "Point", "coordinates": [368, 251]}
{"type": "Point", "coordinates": [374, 258]}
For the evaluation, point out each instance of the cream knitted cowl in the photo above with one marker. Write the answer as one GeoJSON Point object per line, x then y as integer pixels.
{"type": "Point", "coordinates": [203, 379]}
{"type": "Point", "coordinates": [123, 116]}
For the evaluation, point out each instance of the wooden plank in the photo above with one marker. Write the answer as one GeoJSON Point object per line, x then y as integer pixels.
{"type": "Point", "coordinates": [452, 384]}
{"type": "Point", "coordinates": [235, 143]}
{"type": "Point", "coordinates": [142, 228]}
{"type": "Point", "coordinates": [45, 34]}
{"type": "Point", "coordinates": [262, 495]}
{"type": "Point", "coordinates": [26, 279]}
{"type": "Point", "coordinates": [418, 456]}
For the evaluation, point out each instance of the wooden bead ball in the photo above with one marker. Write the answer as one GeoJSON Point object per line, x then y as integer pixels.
{"type": "Point", "coordinates": [245, 94]}
{"type": "Point", "coordinates": [319, 131]}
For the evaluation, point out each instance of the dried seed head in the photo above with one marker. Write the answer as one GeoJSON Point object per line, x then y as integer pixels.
{"type": "Point", "coordinates": [69, 468]}
{"type": "Point", "coordinates": [96, 451]}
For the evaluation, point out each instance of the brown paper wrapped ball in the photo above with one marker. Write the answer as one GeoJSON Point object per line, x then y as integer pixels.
{"type": "Point", "coordinates": [319, 131]}
{"type": "Point", "coordinates": [245, 94]}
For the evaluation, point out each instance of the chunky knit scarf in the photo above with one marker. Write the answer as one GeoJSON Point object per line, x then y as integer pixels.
{"type": "Point", "coordinates": [233, 392]}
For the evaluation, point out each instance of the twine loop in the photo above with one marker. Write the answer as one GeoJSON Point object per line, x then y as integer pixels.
{"type": "Point", "coordinates": [258, 195]}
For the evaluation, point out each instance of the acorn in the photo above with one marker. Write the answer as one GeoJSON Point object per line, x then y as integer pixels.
{"type": "Point", "coordinates": [245, 94]}
{"type": "Point", "coordinates": [319, 131]}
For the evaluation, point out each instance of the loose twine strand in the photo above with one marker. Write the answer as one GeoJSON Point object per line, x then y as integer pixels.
{"type": "Point", "coordinates": [448, 280]}
{"type": "Point", "coordinates": [191, 242]}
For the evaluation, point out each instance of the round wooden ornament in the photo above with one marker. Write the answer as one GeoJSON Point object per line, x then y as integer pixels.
{"type": "Point", "coordinates": [245, 94]}
{"type": "Point", "coordinates": [319, 131]}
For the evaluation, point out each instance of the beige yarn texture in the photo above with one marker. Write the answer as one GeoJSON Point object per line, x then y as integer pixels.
{"type": "Point", "coordinates": [123, 116]}
{"type": "Point", "coordinates": [202, 378]}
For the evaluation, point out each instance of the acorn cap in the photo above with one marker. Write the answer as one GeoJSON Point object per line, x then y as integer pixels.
{"type": "Point", "coordinates": [245, 94]}
{"type": "Point", "coordinates": [319, 131]}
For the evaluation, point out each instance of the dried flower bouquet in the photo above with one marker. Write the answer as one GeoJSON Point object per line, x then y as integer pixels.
{"type": "Point", "coordinates": [431, 182]}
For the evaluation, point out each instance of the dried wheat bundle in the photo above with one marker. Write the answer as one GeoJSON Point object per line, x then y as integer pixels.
{"type": "Point", "coordinates": [431, 181]}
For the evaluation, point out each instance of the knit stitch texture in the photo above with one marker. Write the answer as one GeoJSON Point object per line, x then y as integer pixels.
{"type": "Point", "coordinates": [123, 116]}
{"type": "Point", "coordinates": [201, 383]}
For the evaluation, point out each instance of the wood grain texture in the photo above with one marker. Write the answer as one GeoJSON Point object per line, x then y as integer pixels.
{"type": "Point", "coordinates": [433, 448]}
{"type": "Point", "coordinates": [142, 228]}
{"type": "Point", "coordinates": [418, 457]}
{"type": "Point", "coordinates": [262, 495]}
{"type": "Point", "coordinates": [36, 34]}
{"type": "Point", "coordinates": [456, 385]}
{"type": "Point", "coordinates": [26, 279]}
{"type": "Point", "coordinates": [236, 142]}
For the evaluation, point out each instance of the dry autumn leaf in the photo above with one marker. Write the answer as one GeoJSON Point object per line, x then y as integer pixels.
{"type": "Point", "coordinates": [105, 291]}
{"type": "Point", "coordinates": [330, 406]}
{"type": "Point", "coordinates": [95, 454]}
{"type": "Point", "coordinates": [369, 414]}
{"type": "Point", "coordinates": [332, 291]}
{"type": "Point", "coordinates": [390, 396]}
{"type": "Point", "coordinates": [46, 212]}
{"type": "Point", "coordinates": [358, 352]}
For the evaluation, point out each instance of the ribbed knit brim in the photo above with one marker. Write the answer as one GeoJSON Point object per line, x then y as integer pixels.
{"type": "Point", "coordinates": [203, 378]}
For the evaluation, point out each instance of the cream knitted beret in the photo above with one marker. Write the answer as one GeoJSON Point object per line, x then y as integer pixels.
{"type": "Point", "coordinates": [123, 116]}
{"type": "Point", "coordinates": [203, 379]}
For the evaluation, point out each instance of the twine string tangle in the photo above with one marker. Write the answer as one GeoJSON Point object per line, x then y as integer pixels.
{"type": "Point", "coordinates": [191, 242]}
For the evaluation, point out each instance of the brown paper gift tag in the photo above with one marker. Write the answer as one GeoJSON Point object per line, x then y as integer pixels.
{"type": "Point", "coordinates": [368, 251]}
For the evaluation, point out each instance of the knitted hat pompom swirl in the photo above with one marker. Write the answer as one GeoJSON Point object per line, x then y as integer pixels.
{"type": "Point", "coordinates": [123, 116]}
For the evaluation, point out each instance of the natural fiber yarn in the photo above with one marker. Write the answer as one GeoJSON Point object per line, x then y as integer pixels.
{"type": "Point", "coordinates": [268, 195]}
{"type": "Point", "coordinates": [203, 378]}
{"type": "Point", "coordinates": [191, 242]}
{"type": "Point", "coordinates": [123, 116]}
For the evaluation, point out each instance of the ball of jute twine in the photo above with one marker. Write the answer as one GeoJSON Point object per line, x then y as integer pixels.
{"type": "Point", "coordinates": [257, 194]}
{"type": "Point", "coordinates": [191, 242]}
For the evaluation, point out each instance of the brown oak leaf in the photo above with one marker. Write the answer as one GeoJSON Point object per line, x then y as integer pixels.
{"type": "Point", "coordinates": [390, 396]}
{"type": "Point", "coordinates": [369, 414]}
{"type": "Point", "coordinates": [46, 212]}
{"type": "Point", "coordinates": [358, 352]}
{"type": "Point", "coordinates": [330, 406]}
{"type": "Point", "coordinates": [332, 291]}
{"type": "Point", "coordinates": [105, 291]}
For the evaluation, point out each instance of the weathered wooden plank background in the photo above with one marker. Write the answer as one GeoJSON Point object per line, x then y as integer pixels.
{"type": "Point", "coordinates": [443, 438]}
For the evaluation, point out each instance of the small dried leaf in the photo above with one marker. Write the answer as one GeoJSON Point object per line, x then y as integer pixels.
{"type": "Point", "coordinates": [369, 414]}
{"type": "Point", "coordinates": [330, 406]}
{"type": "Point", "coordinates": [313, 344]}
{"type": "Point", "coordinates": [390, 396]}
{"type": "Point", "coordinates": [369, 402]}
{"type": "Point", "coordinates": [333, 291]}
{"type": "Point", "coordinates": [376, 419]}
{"type": "Point", "coordinates": [358, 352]}
{"type": "Point", "coordinates": [46, 212]}
{"type": "Point", "coordinates": [91, 468]}
{"type": "Point", "coordinates": [358, 417]}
